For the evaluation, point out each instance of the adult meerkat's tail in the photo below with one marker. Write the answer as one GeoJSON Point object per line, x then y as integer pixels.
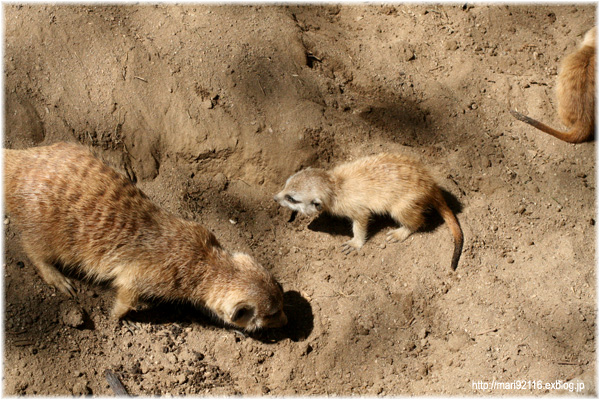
{"type": "Point", "coordinates": [577, 134]}
{"type": "Point", "coordinates": [450, 219]}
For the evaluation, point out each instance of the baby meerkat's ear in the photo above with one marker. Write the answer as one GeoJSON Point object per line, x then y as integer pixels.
{"type": "Point", "coordinates": [317, 203]}
{"type": "Point", "coordinates": [242, 314]}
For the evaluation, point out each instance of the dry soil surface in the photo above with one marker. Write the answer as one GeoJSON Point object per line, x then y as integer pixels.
{"type": "Point", "coordinates": [211, 108]}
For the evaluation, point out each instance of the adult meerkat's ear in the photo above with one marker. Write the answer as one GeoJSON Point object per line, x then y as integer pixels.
{"type": "Point", "coordinates": [242, 314]}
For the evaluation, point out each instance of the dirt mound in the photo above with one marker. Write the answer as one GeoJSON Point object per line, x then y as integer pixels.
{"type": "Point", "coordinates": [210, 108]}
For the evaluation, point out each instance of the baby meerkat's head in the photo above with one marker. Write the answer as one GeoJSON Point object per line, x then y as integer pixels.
{"type": "Point", "coordinates": [254, 299]}
{"type": "Point", "coordinates": [308, 191]}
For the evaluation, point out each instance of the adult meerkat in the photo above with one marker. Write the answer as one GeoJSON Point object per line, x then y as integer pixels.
{"type": "Point", "coordinates": [392, 184]}
{"type": "Point", "coordinates": [73, 209]}
{"type": "Point", "coordinates": [575, 92]}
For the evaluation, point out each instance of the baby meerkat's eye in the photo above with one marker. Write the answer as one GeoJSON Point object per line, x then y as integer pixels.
{"type": "Point", "coordinates": [291, 199]}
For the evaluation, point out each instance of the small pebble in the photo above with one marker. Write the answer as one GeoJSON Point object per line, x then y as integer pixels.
{"type": "Point", "coordinates": [362, 330]}
{"type": "Point", "coordinates": [81, 389]}
{"type": "Point", "coordinates": [451, 45]}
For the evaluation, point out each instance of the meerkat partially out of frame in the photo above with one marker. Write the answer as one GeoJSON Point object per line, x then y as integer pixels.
{"type": "Point", "coordinates": [393, 184]}
{"type": "Point", "coordinates": [576, 94]}
{"type": "Point", "coordinates": [74, 210]}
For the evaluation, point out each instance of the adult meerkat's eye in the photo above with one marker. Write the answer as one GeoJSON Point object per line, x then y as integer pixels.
{"type": "Point", "coordinates": [317, 204]}
{"type": "Point", "coordinates": [242, 313]}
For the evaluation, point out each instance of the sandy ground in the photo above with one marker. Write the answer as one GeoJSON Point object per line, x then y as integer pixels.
{"type": "Point", "coordinates": [211, 108]}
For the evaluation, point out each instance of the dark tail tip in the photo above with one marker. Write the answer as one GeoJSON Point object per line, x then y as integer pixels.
{"type": "Point", "coordinates": [520, 117]}
{"type": "Point", "coordinates": [458, 246]}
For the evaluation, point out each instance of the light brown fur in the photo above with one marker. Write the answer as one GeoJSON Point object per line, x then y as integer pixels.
{"type": "Point", "coordinates": [392, 184]}
{"type": "Point", "coordinates": [74, 210]}
{"type": "Point", "coordinates": [576, 94]}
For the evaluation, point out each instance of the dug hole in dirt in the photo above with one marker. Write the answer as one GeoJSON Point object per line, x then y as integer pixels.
{"type": "Point", "coordinates": [210, 108]}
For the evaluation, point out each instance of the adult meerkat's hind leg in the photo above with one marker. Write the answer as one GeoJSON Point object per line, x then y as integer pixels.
{"type": "Point", "coordinates": [125, 301]}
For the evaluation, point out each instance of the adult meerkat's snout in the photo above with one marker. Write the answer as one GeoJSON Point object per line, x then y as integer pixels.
{"type": "Point", "coordinates": [256, 302]}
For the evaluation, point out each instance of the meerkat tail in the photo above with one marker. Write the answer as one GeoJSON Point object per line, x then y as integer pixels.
{"type": "Point", "coordinates": [450, 219]}
{"type": "Point", "coordinates": [576, 134]}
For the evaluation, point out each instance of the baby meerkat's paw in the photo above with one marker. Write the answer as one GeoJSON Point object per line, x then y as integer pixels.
{"type": "Point", "coordinates": [350, 246]}
{"type": "Point", "coordinates": [398, 235]}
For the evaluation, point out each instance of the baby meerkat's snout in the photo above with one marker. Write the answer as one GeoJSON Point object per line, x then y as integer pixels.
{"type": "Point", "coordinates": [308, 191]}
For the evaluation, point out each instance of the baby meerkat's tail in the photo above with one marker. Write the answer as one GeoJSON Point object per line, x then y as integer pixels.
{"type": "Point", "coordinates": [449, 218]}
{"type": "Point", "coordinates": [576, 134]}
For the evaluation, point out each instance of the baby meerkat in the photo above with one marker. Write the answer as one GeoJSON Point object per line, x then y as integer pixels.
{"type": "Point", "coordinates": [74, 210]}
{"type": "Point", "coordinates": [576, 94]}
{"type": "Point", "coordinates": [393, 184]}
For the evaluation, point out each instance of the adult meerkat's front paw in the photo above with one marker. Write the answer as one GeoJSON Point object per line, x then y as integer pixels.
{"type": "Point", "coordinates": [65, 285]}
{"type": "Point", "coordinates": [55, 278]}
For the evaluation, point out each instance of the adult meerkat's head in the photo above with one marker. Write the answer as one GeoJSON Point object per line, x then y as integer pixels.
{"type": "Point", "coordinates": [308, 191]}
{"type": "Point", "coordinates": [251, 299]}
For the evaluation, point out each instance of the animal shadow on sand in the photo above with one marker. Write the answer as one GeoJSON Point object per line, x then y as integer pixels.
{"type": "Point", "coordinates": [342, 226]}
{"type": "Point", "coordinates": [297, 309]}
